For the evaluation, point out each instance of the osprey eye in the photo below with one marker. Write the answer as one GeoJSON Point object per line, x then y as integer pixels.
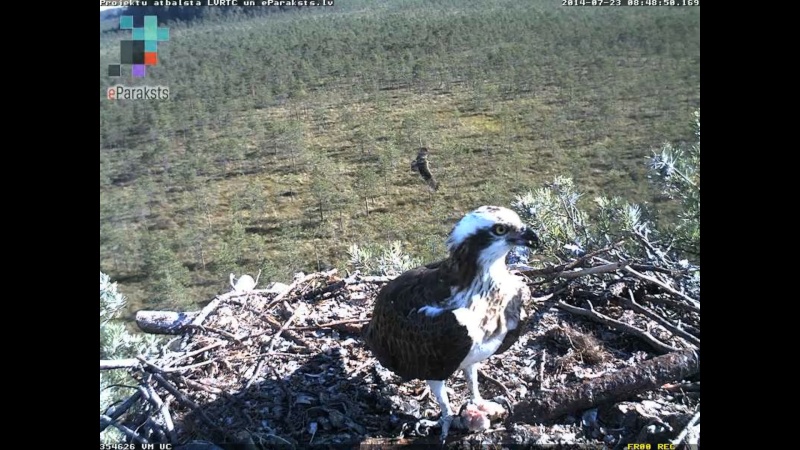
{"type": "Point", "coordinates": [499, 229]}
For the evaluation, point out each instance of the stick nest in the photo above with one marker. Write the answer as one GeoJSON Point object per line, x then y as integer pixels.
{"type": "Point", "coordinates": [266, 369]}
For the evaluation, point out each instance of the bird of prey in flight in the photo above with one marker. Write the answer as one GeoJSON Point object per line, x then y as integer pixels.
{"type": "Point", "coordinates": [422, 166]}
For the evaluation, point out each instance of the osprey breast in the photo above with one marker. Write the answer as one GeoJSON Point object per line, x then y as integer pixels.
{"type": "Point", "coordinates": [483, 345]}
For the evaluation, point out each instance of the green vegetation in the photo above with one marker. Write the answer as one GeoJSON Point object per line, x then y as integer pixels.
{"type": "Point", "coordinates": [568, 230]}
{"type": "Point", "coordinates": [288, 137]}
{"type": "Point", "coordinates": [117, 343]}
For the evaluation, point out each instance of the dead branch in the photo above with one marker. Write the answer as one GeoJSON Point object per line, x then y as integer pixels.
{"type": "Point", "coordinates": [678, 440]}
{"type": "Point", "coordinates": [217, 331]}
{"type": "Point", "coordinates": [193, 353]}
{"type": "Point", "coordinates": [282, 295]}
{"type": "Point", "coordinates": [289, 333]}
{"type": "Point", "coordinates": [110, 364]}
{"type": "Point", "coordinates": [160, 406]}
{"type": "Point", "coordinates": [657, 318]}
{"type": "Point", "coordinates": [256, 371]}
{"type": "Point", "coordinates": [328, 325]}
{"type": "Point", "coordinates": [183, 399]}
{"type": "Point", "coordinates": [682, 387]}
{"type": "Point", "coordinates": [610, 388]}
{"type": "Point", "coordinates": [652, 268]}
{"type": "Point", "coordinates": [208, 309]}
{"type": "Point", "coordinates": [654, 251]}
{"type": "Point", "coordinates": [613, 267]}
{"type": "Point", "coordinates": [672, 303]}
{"type": "Point", "coordinates": [115, 411]}
{"type": "Point", "coordinates": [556, 271]}
{"type": "Point", "coordinates": [665, 286]}
{"type": "Point", "coordinates": [294, 315]}
{"type": "Point", "coordinates": [189, 367]}
{"type": "Point", "coordinates": [598, 317]}
{"type": "Point", "coordinates": [125, 430]}
{"type": "Point", "coordinates": [498, 383]}
{"type": "Point", "coordinates": [333, 287]}
{"type": "Point", "coordinates": [542, 383]}
{"type": "Point", "coordinates": [659, 283]}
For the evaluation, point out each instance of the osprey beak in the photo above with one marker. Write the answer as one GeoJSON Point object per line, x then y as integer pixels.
{"type": "Point", "coordinates": [525, 237]}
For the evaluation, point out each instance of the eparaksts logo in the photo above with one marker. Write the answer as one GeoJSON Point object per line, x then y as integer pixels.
{"type": "Point", "coordinates": [120, 92]}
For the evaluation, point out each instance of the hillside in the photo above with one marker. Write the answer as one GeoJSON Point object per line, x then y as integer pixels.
{"type": "Point", "coordinates": [288, 137]}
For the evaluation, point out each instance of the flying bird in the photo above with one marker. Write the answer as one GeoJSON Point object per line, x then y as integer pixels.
{"type": "Point", "coordinates": [422, 166]}
{"type": "Point", "coordinates": [450, 315]}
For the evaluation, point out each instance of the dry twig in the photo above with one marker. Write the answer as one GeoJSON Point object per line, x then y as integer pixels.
{"type": "Point", "coordinates": [115, 411]}
{"type": "Point", "coordinates": [660, 320]}
{"type": "Point", "coordinates": [497, 382]}
{"type": "Point", "coordinates": [293, 317]}
{"type": "Point", "coordinates": [328, 325]}
{"type": "Point", "coordinates": [598, 317]}
{"type": "Point", "coordinates": [678, 440]}
{"type": "Point", "coordinates": [660, 283]}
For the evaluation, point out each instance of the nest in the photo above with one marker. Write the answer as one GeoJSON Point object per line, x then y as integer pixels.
{"type": "Point", "coordinates": [268, 368]}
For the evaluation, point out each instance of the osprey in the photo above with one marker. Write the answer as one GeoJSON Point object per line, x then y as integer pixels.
{"type": "Point", "coordinates": [450, 315]}
{"type": "Point", "coordinates": [421, 165]}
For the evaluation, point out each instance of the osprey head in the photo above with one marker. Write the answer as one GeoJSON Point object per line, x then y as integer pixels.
{"type": "Point", "coordinates": [492, 231]}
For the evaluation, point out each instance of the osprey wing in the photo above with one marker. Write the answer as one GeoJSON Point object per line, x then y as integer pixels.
{"type": "Point", "coordinates": [411, 343]}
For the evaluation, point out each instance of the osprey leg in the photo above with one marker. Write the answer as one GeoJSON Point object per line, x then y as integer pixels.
{"type": "Point", "coordinates": [440, 391]}
{"type": "Point", "coordinates": [471, 374]}
{"type": "Point", "coordinates": [492, 410]}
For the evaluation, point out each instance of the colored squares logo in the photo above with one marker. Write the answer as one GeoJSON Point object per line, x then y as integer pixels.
{"type": "Point", "coordinates": [142, 49]}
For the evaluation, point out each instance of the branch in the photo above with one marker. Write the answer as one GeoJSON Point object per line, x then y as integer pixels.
{"type": "Point", "coordinates": [336, 285]}
{"type": "Point", "coordinates": [289, 333]}
{"type": "Point", "coordinates": [125, 430]}
{"type": "Point", "coordinates": [329, 324]}
{"type": "Point", "coordinates": [499, 383]}
{"type": "Point", "coordinates": [114, 412]}
{"type": "Point", "coordinates": [208, 309]}
{"type": "Point", "coordinates": [193, 353]}
{"type": "Point", "coordinates": [673, 303]}
{"type": "Point", "coordinates": [186, 401]}
{"type": "Point", "coordinates": [613, 267]}
{"type": "Point", "coordinates": [660, 320]}
{"type": "Point", "coordinates": [224, 333]}
{"type": "Point", "coordinates": [111, 364]}
{"type": "Point", "coordinates": [658, 253]}
{"type": "Point", "coordinates": [605, 320]}
{"type": "Point", "coordinates": [617, 386]}
{"type": "Point", "coordinates": [556, 271]}
{"type": "Point", "coordinates": [665, 286]}
{"type": "Point", "coordinates": [282, 295]}
{"type": "Point", "coordinates": [275, 337]}
{"type": "Point", "coordinates": [159, 404]}
{"type": "Point", "coordinates": [688, 427]}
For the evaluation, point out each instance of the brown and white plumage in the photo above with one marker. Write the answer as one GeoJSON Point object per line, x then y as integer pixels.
{"type": "Point", "coordinates": [422, 166]}
{"type": "Point", "coordinates": [450, 315]}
